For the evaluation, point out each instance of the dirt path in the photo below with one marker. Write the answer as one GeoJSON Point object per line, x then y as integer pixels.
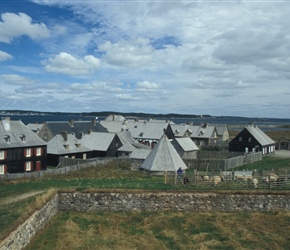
{"type": "Point", "coordinates": [10, 200]}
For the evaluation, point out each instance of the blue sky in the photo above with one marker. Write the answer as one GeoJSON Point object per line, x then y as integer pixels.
{"type": "Point", "coordinates": [188, 57]}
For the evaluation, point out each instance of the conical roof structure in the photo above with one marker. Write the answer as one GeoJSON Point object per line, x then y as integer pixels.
{"type": "Point", "coordinates": [163, 157]}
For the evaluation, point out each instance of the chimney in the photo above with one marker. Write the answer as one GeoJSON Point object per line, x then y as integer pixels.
{"type": "Point", "coordinates": [6, 123]}
{"type": "Point", "coordinates": [94, 122]}
{"type": "Point", "coordinates": [71, 122]}
{"type": "Point", "coordinates": [64, 135]}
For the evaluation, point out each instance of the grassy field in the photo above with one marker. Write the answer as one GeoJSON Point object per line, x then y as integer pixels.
{"type": "Point", "coordinates": [207, 231]}
{"type": "Point", "coordinates": [164, 230]}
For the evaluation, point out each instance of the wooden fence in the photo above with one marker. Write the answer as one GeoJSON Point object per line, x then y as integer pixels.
{"type": "Point", "coordinates": [222, 160]}
{"type": "Point", "coordinates": [66, 165]}
{"type": "Point", "coordinates": [230, 180]}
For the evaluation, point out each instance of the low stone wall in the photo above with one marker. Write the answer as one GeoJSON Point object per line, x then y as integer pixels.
{"type": "Point", "coordinates": [197, 202]}
{"type": "Point", "coordinates": [23, 234]}
{"type": "Point", "coordinates": [149, 201]}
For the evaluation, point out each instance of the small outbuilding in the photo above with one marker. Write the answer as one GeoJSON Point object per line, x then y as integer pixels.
{"type": "Point", "coordinates": [163, 158]}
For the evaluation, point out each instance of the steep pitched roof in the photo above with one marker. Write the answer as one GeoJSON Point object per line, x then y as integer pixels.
{"type": "Point", "coordinates": [163, 157]}
{"type": "Point", "coordinates": [115, 118]}
{"type": "Point", "coordinates": [116, 126]}
{"type": "Point", "coordinates": [193, 131]}
{"type": "Point", "coordinates": [78, 128]}
{"type": "Point", "coordinates": [128, 143]}
{"type": "Point", "coordinates": [67, 144]}
{"type": "Point", "coordinates": [98, 140]}
{"type": "Point", "coordinates": [259, 135]}
{"type": "Point", "coordinates": [148, 130]}
{"type": "Point", "coordinates": [34, 126]}
{"type": "Point", "coordinates": [15, 134]}
{"type": "Point", "coordinates": [186, 144]}
{"type": "Point", "coordinates": [140, 153]}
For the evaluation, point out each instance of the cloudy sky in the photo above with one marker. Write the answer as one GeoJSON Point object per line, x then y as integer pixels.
{"type": "Point", "coordinates": [189, 57]}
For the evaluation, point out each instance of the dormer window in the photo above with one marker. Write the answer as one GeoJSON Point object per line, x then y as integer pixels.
{"type": "Point", "coordinates": [7, 138]}
{"type": "Point", "coordinates": [66, 146]}
{"type": "Point", "coordinates": [201, 133]}
{"type": "Point", "coordinates": [78, 145]}
{"type": "Point", "coordinates": [141, 133]}
{"type": "Point", "coordinates": [22, 137]}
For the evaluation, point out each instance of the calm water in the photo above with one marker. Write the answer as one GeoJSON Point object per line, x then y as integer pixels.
{"type": "Point", "coordinates": [233, 122]}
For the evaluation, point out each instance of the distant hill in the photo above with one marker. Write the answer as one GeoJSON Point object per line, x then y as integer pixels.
{"type": "Point", "coordinates": [102, 113]}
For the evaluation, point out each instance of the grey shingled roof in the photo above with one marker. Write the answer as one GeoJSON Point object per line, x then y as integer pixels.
{"type": "Point", "coordinates": [129, 143]}
{"type": "Point", "coordinates": [115, 118]}
{"type": "Point", "coordinates": [163, 157]}
{"type": "Point", "coordinates": [221, 128]}
{"type": "Point", "coordinates": [116, 126]}
{"type": "Point", "coordinates": [34, 126]}
{"type": "Point", "coordinates": [14, 130]}
{"type": "Point", "coordinates": [57, 145]}
{"type": "Point", "coordinates": [78, 128]}
{"type": "Point", "coordinates": [140, 153]}
{"type": "Point", "coordinates": [148, 130]}
{"type": "Point", "coordinates": [186, 144]}
{"type": "Point", "coordinates": [98, 141]}
{"type": "Point", "coordinates": [193, 131]}
{"type": "Point", "coordinates": [259, 135]}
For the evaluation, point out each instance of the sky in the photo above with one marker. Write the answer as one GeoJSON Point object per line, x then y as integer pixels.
{"type": "Point", "coordinates": [220, 58]}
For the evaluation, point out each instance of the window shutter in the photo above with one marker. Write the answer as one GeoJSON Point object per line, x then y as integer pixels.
{"type": "Point", "coordinates": [5, 169]}
{"type": "Point", "coordinates": [5, 155]}
{"type": "Point", "coordinates": [25, 152]}
{"type": "Point", "coordinates": [35, 151]}
{"type": "Point", "coordinates": [38, 165]}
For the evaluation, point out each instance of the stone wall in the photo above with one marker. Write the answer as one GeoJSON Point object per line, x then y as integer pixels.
{"type": "Point", "coordinates": [197, 202]}
{"type": "Point", "coordinates": [23, 234]}
{"type": "Point", "coordinates": [149, 201]}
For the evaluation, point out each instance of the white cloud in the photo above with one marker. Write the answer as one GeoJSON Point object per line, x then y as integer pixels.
{"type": "Point", "coordinates": [126, 54]}
{"type": "Point", "coordinates": [17, 80]}
{"type": "Point", "coordinates": [147, 86]}
{"type": "Point", "coordinates": [4, 56]}
{"type": "Point", "coordinates": [65, 63]}
{"type": "Point", "coordinates": [14, 25]}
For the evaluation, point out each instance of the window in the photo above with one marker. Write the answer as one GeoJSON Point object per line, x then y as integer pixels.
{"type": "Point", "coordinates": [240, 138]}
{"type": "Point", "coordinates": [84, 156]}
{"type": "Point", "coordinates": [38, 151]}
{"type": "Point", "coordinates": [28, 152]}
{"type": "Point", "coordinates": [250, 139]}
{"type": "Point", "coordinates": [2, 169]}
{"type": "Point", "coordinates": [28, 166]}
{"type": "Point", "coordinates": [2, 155]}
{"type": "Point", "coordinates": [22, 137]}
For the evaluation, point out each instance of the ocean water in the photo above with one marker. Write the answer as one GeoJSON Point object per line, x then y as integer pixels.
{"type": "Point", "coordinates": [232, 122]}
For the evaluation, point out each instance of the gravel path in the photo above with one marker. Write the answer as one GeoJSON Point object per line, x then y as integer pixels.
{"type": "Point", "coordinates": [281, 154]}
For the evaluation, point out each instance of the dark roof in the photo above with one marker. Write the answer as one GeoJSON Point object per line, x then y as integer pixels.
{"type": "Point", "coordinates": [77, 128]}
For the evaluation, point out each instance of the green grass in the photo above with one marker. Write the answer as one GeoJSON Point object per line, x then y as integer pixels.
{"type": "Point", "coordinates": [269, 163]}
{"type": "Point", "coordinates": [164, 230]}
{"type": "Point", "coordinates": [107, 176]}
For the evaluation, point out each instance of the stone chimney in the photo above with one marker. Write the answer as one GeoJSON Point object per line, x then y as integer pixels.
{"type": "Point", "coordinates": [6, 123]}
{"type": "Point", "coordinates": [71, 122]}
{"type": "Point", "coordinates": [64, 135]}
